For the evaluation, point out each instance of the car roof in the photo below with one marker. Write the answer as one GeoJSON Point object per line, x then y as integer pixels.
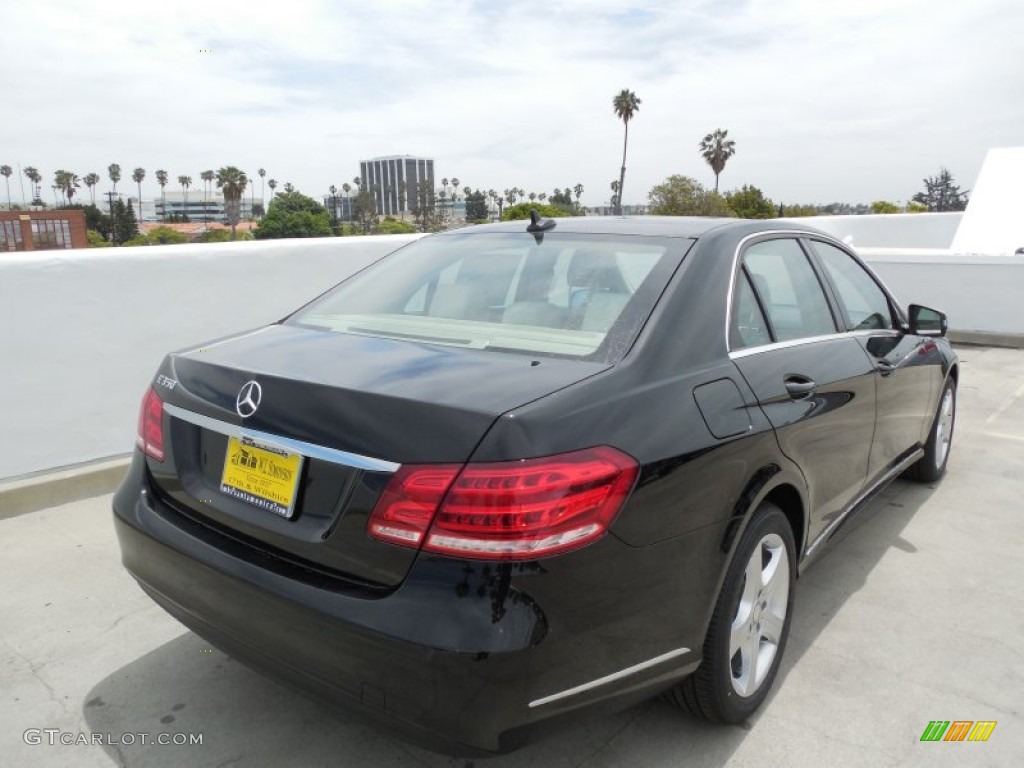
{"type": "Point", "coordinates": [652, 226]}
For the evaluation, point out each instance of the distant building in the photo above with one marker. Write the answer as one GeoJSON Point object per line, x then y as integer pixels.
{"type": "Point", "coordinates": [42, 230]}
{"type": "Point", "coordinates": [387, 178]}
{"type": "Point", "coordinates": [340, 206]}
{"type": "Point", "coordinates": [198, 207]}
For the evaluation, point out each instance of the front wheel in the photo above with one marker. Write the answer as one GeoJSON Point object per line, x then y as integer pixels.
{"type": "Point", "coordinates": [932, 465]}
{"type": "Point", "coordinates": [749, 627]}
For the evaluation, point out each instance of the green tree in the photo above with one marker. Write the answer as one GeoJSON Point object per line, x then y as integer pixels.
{"type": "Point", "coordinates": [625, 104]}
{"type": "Point", "coordinates": [185, 182]}
{"type": "Point", "coordinates": [273, 185]}
{"type": "Point", "coordinates": [425, 215]}
{"type": "Point", "coordinates": [95, 239]}
{"type": "Point", "coordinates": [683, 196]}
{"type": "Point", "coordinates": [476, 206]}
{"type": "Point", "coordinates": [137, 176]}
{"type": "Point", "coordinates": [162, 178]}
{"type": "Point", "coordinates": [6, 171]}
{"type": "Point", "coordinates": [91, 180]}
{"type": "Point", "coordinates": [884, 206]}
{"type": "Point", "coordinates": [941, 194]}
{"type": "Point", "coordinates": [261, 172]}
{"type": "Point", "coordinates": [293, 214]}
{"type": "Point", "coordinates": [522, 211]}
{"type": "Point", "coordinates": [716, 148]}
{"type": "Point", "coordinates": [389, 225]}
{"type": "Point", "coordinates": [915, 207]}
{"type": "Point", "coordinates": [125, 226]}
{"type": "Point", "coordinates": [797, 211]}
{"type": "Point", "coordinates": [166, 236]}
{"type": "Point", "coordinates": [749, 202]}
{"type": "Point", "coordinates": [231, 181]}
{"type": "Point", "coordinates": [365, 210]}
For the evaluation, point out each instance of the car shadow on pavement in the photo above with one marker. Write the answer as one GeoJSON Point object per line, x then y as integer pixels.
{"type": "Point", "coordinates": [187, 687]}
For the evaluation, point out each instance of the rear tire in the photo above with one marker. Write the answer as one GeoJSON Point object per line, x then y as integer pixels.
{"type": "Point", "coordinates": [932, 465]}
{"type": "Point", "coordinates": [749, 627]}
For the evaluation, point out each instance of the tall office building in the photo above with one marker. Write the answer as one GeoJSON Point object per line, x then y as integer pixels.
{"type": "Point", "coordinates": [385, 177]}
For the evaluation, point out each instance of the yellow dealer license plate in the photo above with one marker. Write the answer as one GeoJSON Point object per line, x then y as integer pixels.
{"type": "Point", "coordinates": [261, 474]}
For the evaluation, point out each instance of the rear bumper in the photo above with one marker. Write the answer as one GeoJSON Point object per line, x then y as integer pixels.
{"type": "Point", "coordinates": [462, 658]}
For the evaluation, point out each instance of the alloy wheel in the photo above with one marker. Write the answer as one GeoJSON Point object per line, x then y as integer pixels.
{"type": "Point", "coordinates": [760, 615]}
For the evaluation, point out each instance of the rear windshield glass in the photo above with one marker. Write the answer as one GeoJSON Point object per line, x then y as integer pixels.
{"type": "Point", "coordinates": [577, 296]}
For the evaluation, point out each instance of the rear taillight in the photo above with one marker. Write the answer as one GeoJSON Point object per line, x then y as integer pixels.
{"type": "Point", "coordinates": [517, 510]}
{"type": "Point", "coordinates": [150, 437]}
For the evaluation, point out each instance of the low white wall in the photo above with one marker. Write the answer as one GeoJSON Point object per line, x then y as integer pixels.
{"type": "Point", "coordinates": [978, 293]}
{"type": "Point", "coordinates": [82, 332]}
{"type": "Point", "coordinates": [891, 230]}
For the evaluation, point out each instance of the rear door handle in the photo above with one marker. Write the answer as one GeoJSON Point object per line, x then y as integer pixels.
{"type": "Point", "coordinates": [884, 367]}
{"type": "Point", "coordinates": [799, 387]}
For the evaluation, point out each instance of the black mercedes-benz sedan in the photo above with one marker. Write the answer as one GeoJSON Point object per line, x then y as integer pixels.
{"type": "Point", "coordinates": [516, 474]}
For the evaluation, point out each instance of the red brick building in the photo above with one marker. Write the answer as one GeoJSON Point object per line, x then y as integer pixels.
{"type": "Point", "coordinates": [42, 230]}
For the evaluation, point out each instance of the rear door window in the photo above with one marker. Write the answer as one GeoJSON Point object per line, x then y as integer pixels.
{"type": "Point", "coordinates": [788, 289]}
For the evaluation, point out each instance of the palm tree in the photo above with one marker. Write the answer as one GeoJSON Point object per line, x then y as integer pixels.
{"type": "Point", "coordinates": [346, 188]}
{"type": "Point", "coordinates": [137, 176]}
{"type": "Point", "coordinates": [625, 104]}
{"type": "Point", "coordinates": [717, 148]}
{"type": "Point", "coordinates": [185, 182]}
{"type": "Point", "coordinates": [114, 170]}
{"type": "Point", "coordinates": [35, 177]}
{"type": "Point", "coordinates": [403, 195]}
{"type": "Point", "coordinates": [207, 177]}
{"type": "Point", "coordinates": [542, 196]}
{"type": "Point", "coordinates": [334, 204]}
{"type": "Point", "coordinates": [67, 182]}
{"type": "Point", "coordinates": [6, 171]}
{"type": "Point", "coordinates": [289, 187]}
{"type": "Point", "coordinates": [263, 199]}
{"type": "Point", "coordinates": [59, 182]}
{"type": "Point", "coordinates": [231, 182]}
{"type": "Point", "coordinates": [162, 178]}
{"type": "Point", "coordinates": [91, 180]}
{"type": "Point", "coordinates": [273, 185]}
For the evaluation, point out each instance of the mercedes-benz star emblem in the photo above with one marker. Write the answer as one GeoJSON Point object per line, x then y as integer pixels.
{"type": "Point", "coordinates": [248, 399]}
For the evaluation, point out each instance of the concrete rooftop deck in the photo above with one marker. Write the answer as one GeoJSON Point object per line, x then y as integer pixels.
{"type": "Point", "coordinates": [913, 617]}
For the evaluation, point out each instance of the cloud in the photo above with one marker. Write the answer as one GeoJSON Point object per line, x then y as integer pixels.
{"type": "Point", "coordinates": [826, 102]}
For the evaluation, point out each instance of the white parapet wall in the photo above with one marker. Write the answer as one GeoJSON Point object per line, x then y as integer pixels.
{"type": "Point", "coordinates": [890, 230]}
{"type": "Point", "coordinates": [83, 331]}
{"type": "Point", "coordinates": [982, 295]}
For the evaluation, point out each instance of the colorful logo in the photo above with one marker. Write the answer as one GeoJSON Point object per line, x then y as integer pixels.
{"type": "Point", "coordinates": [958, 730]}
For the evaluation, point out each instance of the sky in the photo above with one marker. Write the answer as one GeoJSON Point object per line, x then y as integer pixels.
{"type": "Point", "coordinates": [826, 101]}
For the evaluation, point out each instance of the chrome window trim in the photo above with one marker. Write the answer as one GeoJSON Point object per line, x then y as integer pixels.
{"type": "Point", "coordinates": [312, 450]}
{"type": "Point", "coordinates": [609, 678]}
{"type": "Point", "coordinates": [801, 234]}
{"type": "Point", "coordinates": [789, 343]}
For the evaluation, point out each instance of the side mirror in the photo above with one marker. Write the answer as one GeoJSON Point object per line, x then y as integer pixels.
{"type": "Point", "coordinates": [925, 321]}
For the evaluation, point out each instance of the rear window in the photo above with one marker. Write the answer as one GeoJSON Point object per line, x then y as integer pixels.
{"type": "Point", "coordinates": [578, 296]}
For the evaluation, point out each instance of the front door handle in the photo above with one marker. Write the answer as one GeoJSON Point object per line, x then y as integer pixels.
{"type": "Point", "coordinates": [799, 387]}
{"type": "Point", "coordinates": [884, 367]}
